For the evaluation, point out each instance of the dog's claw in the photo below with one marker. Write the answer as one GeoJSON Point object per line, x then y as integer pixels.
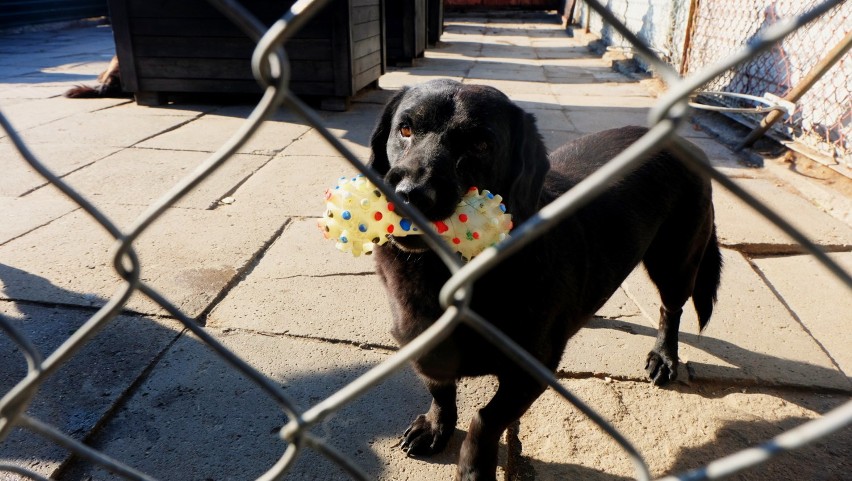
{"type": "Point", "coordinates": [424, 437]}
{"type": "Point", "coordinates": [661, 368]}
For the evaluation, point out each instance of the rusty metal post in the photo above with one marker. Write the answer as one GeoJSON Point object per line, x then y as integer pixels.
{"type": "Point", "coordinates": [796, 92]}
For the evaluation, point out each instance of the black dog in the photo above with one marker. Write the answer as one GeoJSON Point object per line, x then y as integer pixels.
{"type": "Point", "coordinates": [436, 140]}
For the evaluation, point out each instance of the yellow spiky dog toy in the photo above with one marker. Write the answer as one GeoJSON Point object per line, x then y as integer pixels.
{"type": "Point", "coordinates": [359, 217]}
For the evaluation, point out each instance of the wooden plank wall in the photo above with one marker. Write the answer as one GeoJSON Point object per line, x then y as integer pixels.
{"type": "Point", "coordinates": [367, 42]}
{"type": "Point", "coordinates": [405, 30]}
{"type": "Point", "coordinates": [508, 4]}
{"type": "Point", "coordinates": [188, 46]}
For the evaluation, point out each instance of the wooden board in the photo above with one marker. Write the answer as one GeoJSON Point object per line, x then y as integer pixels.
{"type": "Point", "coordinates": [189, 46]}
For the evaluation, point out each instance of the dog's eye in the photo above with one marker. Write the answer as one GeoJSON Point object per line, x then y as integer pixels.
{"type": "Point", "coordinates": [480, 146]}
{"type": "Point", "coordinates": [405, 130]}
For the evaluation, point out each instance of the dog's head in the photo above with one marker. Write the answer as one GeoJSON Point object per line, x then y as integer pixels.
{"type": "Point", "coordinates": [435, 140]}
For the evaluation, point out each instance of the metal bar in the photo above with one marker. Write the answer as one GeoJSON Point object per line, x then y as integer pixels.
{"type": "Point", "coordinates": [812, 77]}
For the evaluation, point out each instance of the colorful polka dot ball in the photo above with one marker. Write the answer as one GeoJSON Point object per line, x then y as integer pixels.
{"type": "Point", "coordinates": [359, 217]}
{"type": "Point", "coordinates": [479, 222]}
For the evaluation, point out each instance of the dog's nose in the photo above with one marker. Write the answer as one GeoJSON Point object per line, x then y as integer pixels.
{"type": "Point", "coordinates": [421, 196]}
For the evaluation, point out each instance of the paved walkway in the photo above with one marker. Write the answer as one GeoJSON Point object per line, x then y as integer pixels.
{"type": "Point", "coordinates": [259, 277]}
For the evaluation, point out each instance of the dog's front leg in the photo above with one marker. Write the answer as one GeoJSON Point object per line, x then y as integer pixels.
{"type": "Point", "coordinates": [478, 457]}
{"type": "Point", "coordinates": [429, 433]}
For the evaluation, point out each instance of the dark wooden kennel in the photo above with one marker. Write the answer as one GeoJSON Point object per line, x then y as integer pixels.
{"type": "Point", "coordinates": [167, 46]}
{"type": "Point", "coordinates": [405, 30]}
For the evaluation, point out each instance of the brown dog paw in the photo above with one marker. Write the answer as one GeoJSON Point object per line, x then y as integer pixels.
{"type": "Point", "coordinates": [661, 368]}
{"type": "Point", "coordinates": [426, 437]}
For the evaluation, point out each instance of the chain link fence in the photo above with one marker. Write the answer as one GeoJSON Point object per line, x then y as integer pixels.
{"type": "Point", "coordinates": [822, 118]}
{"type": "Point", "coordinates": [271, 68]}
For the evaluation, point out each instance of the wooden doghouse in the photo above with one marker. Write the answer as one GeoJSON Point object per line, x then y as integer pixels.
{"type": "Point", "coordinates": [434, 21]}
{"type": "Point", "coordinates": [405, 28]}
{"type": "Point", "coordinates": [168, 46]}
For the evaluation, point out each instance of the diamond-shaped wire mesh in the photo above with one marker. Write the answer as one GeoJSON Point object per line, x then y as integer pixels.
{"type": "Point", "coordinates": [271, 68]}
{"type": "Point", "coordinates": [821, 119]}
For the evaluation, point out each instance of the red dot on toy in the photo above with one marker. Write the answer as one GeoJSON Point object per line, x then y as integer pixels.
{"type": "Point", "coordinates": [378, 216]}
{"type": "Point", "coordinates": [441, 227]}
{"type": "Point", "coordinates": [390, 206]}
{"type": "Point", "coordinates": [476, 235]}
{"type": "Point", "coordinates": [390, 229]}
{"type": "Point", "coordinates": [463, 217]}
{"type": "Point", "coordinates": [473, 189]}
{"type": "Point", "coordinates": [456, 240]}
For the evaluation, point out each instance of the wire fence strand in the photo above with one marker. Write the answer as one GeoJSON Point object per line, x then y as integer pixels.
{"type": "Point", "coordinates": [272, 70]}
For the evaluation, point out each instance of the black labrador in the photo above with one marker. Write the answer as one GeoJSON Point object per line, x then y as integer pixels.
{"type": "Point", "coordinates": [434, 141]}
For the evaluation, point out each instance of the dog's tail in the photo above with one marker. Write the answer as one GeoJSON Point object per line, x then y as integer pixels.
{"type": "Point", "coordinates": [707, 281]}
{"type": "Point", "coordinates": [109, 89]}
{"type": "Point", "coordinates": [84, 92]}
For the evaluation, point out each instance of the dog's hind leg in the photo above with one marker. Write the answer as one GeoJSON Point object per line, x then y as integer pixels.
{"type": "Point", "coordinates": [429, 432]}
{"type": "Point", "coordinates": [478, 457]}
{"type": "Point", "coordinates": [673, 261]}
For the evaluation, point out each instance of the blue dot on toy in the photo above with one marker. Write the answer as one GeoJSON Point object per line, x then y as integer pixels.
{"type": "Point", "coordinates": [405, 224]}
{"type": "Point", "coordinates": [346, 215]}
{"type": "Point", "coordinates": [343, 239]}
{"type": "Point", "coordinates": [362, 227]}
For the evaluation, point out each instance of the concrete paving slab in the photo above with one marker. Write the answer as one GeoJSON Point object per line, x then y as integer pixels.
{"type": "Point", "coordinates": [512, 88]}
{"type": "Point", "coordinates": [139, 176]}
{"type": "Point", "coordinates": [551, 119]}
{"type": "Point", "coordinates": [112, 129]}
{"type": "Point", "coordinates": [83, 392]}
{"type": "Point", "coordinates": [313, 144]}
{"type": "Point", "coordinates": [36, 112]}
{"type": "Point", "coordinates": [611, 348]}
{"type": "Point", "coordinates": [195, 418]}
{"type": "Point", "coordinates": [355, 126]}
{"type": "Point", "coordinates": [190, 256]}
{"type": "Point", "coordinates": [536, 101]}
{"type": "Point", "coordinates": [578, 102]}
{"type": "Point", "coordinates": [676, 430]}
{"type": "Point", "coordinates": [24, 214]}
{"type": "Point", "coordinates": [751, 338]}
{"type": "Point", "coordinates": [609, 345]}
{"type": "Point", "coordinates": [624, 87]}
{"type": "Point", "coordinates": [522, 73]}
{"type": "Point", "coordinates": [590, 119]}
{"type": "Point", "coordinates": [292, 186]}
{"type": "Point", "coordinates": [341, 308]}
{"type": "Point", "coordinates": [741, 228]}
{"type": "Point", "coordinates": [563, 76]}
{"type": "Point", "coordinates": [301, 251]}
{"type": "Point", "coordinates": [209, 132]}
{"type": "Point", "coordinates": [399, 79]}
{"type": "Point", "coordinates": [820, 301]}
{"type": "Point", "coordinates": [61, 158]}
{"type": "Point", "coordinates": [14, 92]}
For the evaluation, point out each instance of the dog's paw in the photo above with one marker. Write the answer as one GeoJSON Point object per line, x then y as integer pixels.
{"type": "Point", "coordinates": [425, 437]}
{"type": "Point", "coordinates": [661, 368]}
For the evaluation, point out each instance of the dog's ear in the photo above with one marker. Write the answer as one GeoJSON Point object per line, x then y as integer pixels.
{"type": "Point", "coordinates": [528, 169]}
{"type": "Point", "coordinates": [378, 142]}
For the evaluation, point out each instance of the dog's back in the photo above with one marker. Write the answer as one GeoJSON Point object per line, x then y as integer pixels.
{"type": "Point", "coordinates": [661, 214]}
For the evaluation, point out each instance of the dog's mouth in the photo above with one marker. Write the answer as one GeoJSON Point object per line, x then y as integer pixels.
{"type": "Point", "coordinates": [413, 243]}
